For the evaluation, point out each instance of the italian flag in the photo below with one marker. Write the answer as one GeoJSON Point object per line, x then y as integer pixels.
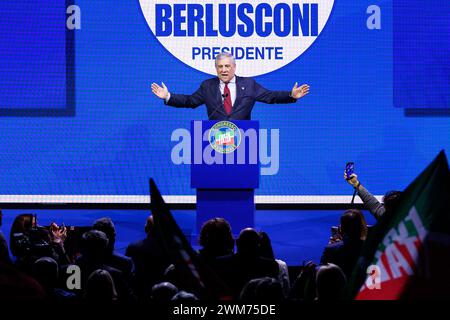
{"type": "Point", "coordinates": [194, 273]}
{"type": "Point", "coordinates": [411, 252]}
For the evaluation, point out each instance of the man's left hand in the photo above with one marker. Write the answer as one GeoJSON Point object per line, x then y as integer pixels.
{"type": "Point", "coordinates": [299, 92]}
{"type": "Point", "coordinates": [59, 233]}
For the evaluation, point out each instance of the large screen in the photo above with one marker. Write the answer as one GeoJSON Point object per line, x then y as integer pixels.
{"type": "Point", "coordinates": [78, 117]}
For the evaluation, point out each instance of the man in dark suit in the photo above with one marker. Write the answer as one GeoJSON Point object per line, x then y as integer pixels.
{"type": "Point", "coordinates": [94, 247]}
{"type": "Point", "coordinates": [150, 260]}
{"type": "Point", "coordinates": [114, 258]}
{"type": "Point", "coordinates": [236, 270]}
{"type": "Point", "coordinates": [228, 97]}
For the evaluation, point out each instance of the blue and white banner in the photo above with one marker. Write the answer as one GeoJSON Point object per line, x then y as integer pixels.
{"type": "Point", "coordinates": [266, 35]}
{"type": "Point", "coordinates": [78, 117]}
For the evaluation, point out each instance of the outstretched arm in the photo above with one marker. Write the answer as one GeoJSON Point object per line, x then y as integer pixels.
{"type": "Point", "coordinates": [299, 92]}
{"type": "Point", "coordinates": [269, 96]}
{"type": "Point", "coordinates": [178, 100]}
{"type": "Point", "coordinates": [375, 207]}
{"type": "Point", "coordinates": [160, 92]}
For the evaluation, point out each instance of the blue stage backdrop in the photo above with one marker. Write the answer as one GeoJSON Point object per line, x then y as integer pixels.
{"type": "Point", "coordinates": [98, 59]}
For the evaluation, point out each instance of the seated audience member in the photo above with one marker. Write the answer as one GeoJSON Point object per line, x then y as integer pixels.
{"type": "Point", "coordinates": [100, 287]}
{"type": "Point", "coordinates": [181, 276]}
{"type": "Point", "coordinates": [4, 252]}
{"type": "Point", "coordinates": [17, 286]}
{"type": "Point", "coordinates": [345, 253]}
{"type": "Point", "coordinates": [267, 252]}
{"type": "Point", "coordinates": [262, 290]}
{"type": "Point", "coordinates": [330, 283]}
{"type": "Point", "coordinates": [163, 292]}
{"type": "Point", "coordinates": [183, 296]}
{"type": "Point", "coordinates": [304, 287]}
{"type": "Point", "coordinates": [247, 264]}
{"type": "Point", "coordinates": [390, 199]}
{"type": "Point", "coordinates": [113, 258]}
{"type": "Point", "coordinates": [150, 261]}
{"type": "Point", "coordinates": [94, 253]}
{"type": "Point", "coordinates": [46, 271]}
{"type": "Point", "coordinates": [216, 240]}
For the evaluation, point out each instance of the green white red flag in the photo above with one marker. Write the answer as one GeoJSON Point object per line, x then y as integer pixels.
{"type": "Point", "coordinates": [413, 259]}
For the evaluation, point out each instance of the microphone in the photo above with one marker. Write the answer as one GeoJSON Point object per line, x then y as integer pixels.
{"type": "Point", "coordinates": [224, 96]}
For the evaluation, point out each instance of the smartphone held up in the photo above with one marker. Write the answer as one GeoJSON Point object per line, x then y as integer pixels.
{"type": "Point", "coordinates": [349, 169]}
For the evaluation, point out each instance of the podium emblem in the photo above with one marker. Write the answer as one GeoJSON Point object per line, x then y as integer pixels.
{"type": "Point", "coordinates": [224, 137]}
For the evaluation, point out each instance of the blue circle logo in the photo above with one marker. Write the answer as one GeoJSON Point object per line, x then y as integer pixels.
{"type": "Point", "coordinates": [224, 137]}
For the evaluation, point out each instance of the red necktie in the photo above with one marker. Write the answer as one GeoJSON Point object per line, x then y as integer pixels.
{"type": "Point", "coordinates": [227, 101]}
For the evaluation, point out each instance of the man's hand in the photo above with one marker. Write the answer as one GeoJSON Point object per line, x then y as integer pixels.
{"type": "Point", "coordinates": [353, 180]}
{"type": "Point", "coordinates": [59, 234]}
{"type": "Point", "coordinates": [298, 92]}
{"type": "Point", "coordinates": [160, 92]}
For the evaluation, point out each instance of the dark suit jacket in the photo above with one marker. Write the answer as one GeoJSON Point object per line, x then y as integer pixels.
{"type": "Point", "coordinates": [248, 91]}
{"type": "Point", "coordinates": [236, 270]}
{"type": "Point", "coordinates": [150, 262]}
{"type": "Point", "coordinates": [125, 293]}
{"type": "Point", "coordinates": [122, 263]}
{"type": "Point", "coordinates": [344, 253]}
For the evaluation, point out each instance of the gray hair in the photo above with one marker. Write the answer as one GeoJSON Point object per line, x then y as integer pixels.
{"type": "Point", "coordinates": [223, 55]}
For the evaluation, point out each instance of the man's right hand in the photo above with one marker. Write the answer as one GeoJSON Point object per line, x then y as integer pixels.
{"type": "Point", "coordinates": [353, 180]}
{"type": "Point", "coordinates": [160, 92]}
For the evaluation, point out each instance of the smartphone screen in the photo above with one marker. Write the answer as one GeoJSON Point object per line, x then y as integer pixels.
{"type": "Point", "coordinates": [349, 169]}
{"type": "Point", "coordinates": [334, 231]}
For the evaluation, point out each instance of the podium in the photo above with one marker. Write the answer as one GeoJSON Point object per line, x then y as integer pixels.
{"type": "Point", "coordinates": [225, 171]}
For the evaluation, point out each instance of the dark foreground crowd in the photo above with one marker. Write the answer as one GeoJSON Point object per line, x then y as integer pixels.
{"type": "Point", "coordinates": [39, 265]}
